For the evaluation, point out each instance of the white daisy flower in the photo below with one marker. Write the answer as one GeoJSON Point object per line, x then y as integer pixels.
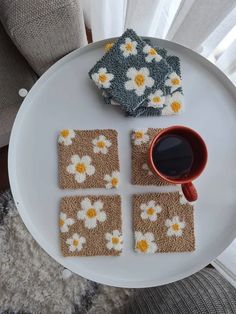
{"type": "Point", "coordinates": [65, 222]}
{"type": "Point", "coordinates": [139, 80]}
{"type": "Point", "coordinates": [182, 198]}
{"type": "Point", "coordinates": [81, 167]}
{"type": "Point", "coordinates": [151, 54]}
{"type": "Point", "coordinates": [175, 226]}
{"type": "Point", "coordinates": [129, 47]}
{"type": "Point", "coordinates": [174, 81]}
{"type": "Point", "coordinates": [156, 100]}
{"type": "Point", "coordinates": [147, 169]}
{"type": "Point", "coordinates": [140, 136]}
{"type": "Point", "coordinates": [66, 136]}
{"type": "Point", "coordinates": [76, 242]}
{"type": "Point", "coordinates": [115, 240]}
{"type": "Point", "coordinates": [91, 213]}
{"type": "Point", "coordinates": [102, 78]}
{"type": "Point", "coordinates": [108, 46]}
{"type": "Point", "coordinates": [101, 143]}
{"type": "Point", "coordinates": [174, 104]}
{"type": "Point", "coordinates": [150, 210]}
{"type": "Point", "coordinates": [113, 180]}
{"type": "Point", "coordinates": [144, 243]}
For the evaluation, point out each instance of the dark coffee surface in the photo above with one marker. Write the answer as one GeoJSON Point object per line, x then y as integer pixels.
{"type": "Point", "coordinates": [173, 156]}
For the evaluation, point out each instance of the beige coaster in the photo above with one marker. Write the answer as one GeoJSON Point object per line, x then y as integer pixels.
{"type": "Point", "coordinates": [141, 174]}
{"type": "Point", "coordinates": [90, 225]}
{"type": "Point", "coordinates": [163, 222]}
{"type": "Point", "coordinates": [88, 159]}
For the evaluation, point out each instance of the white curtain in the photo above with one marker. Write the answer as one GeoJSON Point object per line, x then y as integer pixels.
{"type": "Point", "coordinates": [201, 25]}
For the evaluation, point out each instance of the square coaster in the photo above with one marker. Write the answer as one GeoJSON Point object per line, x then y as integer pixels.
{"type": "Point", "coordinates": [163, 222]}
{"type": "Point", "coordinates": [140, 172]}
{"type": "Point", "coordinates": [88, 159]}
{"type": "Point", "coordinates": [90, 225]}
{"type": "Point", "coordinates": [168, 100]}
{"type": "Point", "coordinates": [130, 71]}
{"type": "Point", "coordinates": [108, 97]}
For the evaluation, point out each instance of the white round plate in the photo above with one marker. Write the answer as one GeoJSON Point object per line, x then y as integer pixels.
{"type": "Point", "coordinates": [64, 97]}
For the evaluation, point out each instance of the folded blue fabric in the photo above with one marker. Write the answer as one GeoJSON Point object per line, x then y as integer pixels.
{"type": "Point", "coordinates": [130, 71]}
{"type": "Point", "coordinates": [169, 99]}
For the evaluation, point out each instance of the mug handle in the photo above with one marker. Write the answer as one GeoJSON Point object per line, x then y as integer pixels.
{"type": "Point", "coordinates": [189, 191]}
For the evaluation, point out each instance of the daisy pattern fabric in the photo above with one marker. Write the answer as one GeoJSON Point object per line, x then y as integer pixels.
{"type": "Point", "coordinates": [162, 222]}
{"type": "Point", "coordinates": [168, 99]}
{"type": "Point", "coordinates": [90, 225]}
{"type": "Point", "coordinates": [140, 172]}
{"type": "Point", "coordinates": [130, 71]}
{"type": "Point", "coordinates": [88, 159]}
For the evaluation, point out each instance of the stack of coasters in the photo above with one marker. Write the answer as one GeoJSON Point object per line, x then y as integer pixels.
{"type": "Point", "coordinates": [163, 222]}
{"type": "Point", "coordinates": [168, 100]}
{"type": "Point", "coordinates": [91, 225]}
{"type": "Point", "coordinates": [141, 174]}
{"type": "Point", "coordinates": [130, 72]}
{"type": "Point", "coordinates": [88, 159]}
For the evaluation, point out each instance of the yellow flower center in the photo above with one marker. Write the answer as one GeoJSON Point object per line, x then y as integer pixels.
{"type": "Point", "coordinates": [75, 242]}
{"type": "Point", "coordinates": [176, 106]}
{"type": "Point", "coordinates": [108, 46]}
{"type": "Point", "coordinates": [80, 167]}
{"type": "Point", "coordinates": [61, 222]}
{"type": "Point", "coordinates": [139, 79]}
{"type": "Point", "coordinates": [150, 211]}
{"type": "Point", "coordinates": [175, 81]}
{"type": "Point", "coordinates": [102, 78]}
{"type": "Point", "coordinates": [101, 144]}
{"type": "Point", "coordinates": [115, 240]}
{"type": "Point", "coordinates": [138, 134]}
{"type": "Point", "coordinates": [129, 46]}
{"type": "Point", "coordinates": [156, 99]}
{"type": "Point", "coordinates": [114, 182]}
{"type": "Point", "coordinates": [175, 227]}
{"type": "Point", "coordinates": [152, 52]}
{"type": "Point", "coordinates": [142, 246]}
{"type": "Point", "coordinates": [91, 213]}
{"type": "Point", "coordinates": [64, 133]}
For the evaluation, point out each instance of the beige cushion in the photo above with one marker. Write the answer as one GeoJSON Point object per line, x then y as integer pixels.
{"type": "Point", "coordinates": [15, 73]}
{"type": "Point", "coordinates": [205, 292]}
{"type": "Point", "coordinates": [44, 31]}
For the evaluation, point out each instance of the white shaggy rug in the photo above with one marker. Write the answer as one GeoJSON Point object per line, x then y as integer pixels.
{"type": "Point", "coordinates": [32, 282]}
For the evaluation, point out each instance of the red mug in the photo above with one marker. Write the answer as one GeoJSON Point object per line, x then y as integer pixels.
{"type": "Point", "coordinates": [200, 155]}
